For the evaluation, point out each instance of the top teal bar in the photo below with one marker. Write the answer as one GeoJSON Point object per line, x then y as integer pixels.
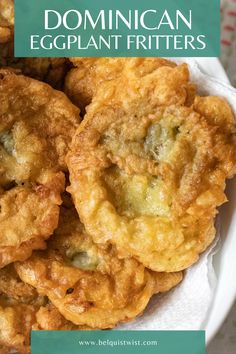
{"type": "Point", "coordinates": [108, 28]}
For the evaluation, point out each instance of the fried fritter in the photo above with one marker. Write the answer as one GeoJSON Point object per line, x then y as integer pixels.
{"type": "Point", "coordinates": [17, 321]}
{"type": "Point", "coordinates": [83, 81]}
{"type": "Point", "coordinates": [49, 70]}
{"type": "Point", "coordinates": [4, 350]}
{"type": "Point", "coordinates": [19, 303]}
{"type": "Point", "coordinates": [6, 20]}
{"type": "Point", "coordinates": [36, 126]}
{"type": "Point", "coordinates": [89, 285]}
{"type": "Point", "coordinates": [22, 309]}
{"type": "Point", "coordinates": [48, 318]}
{"type": "Point", "coordinates": [148, 169]}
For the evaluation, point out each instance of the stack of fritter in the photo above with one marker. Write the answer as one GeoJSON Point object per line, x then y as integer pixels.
{"type": "Point", "coordinates": [146, 169]}
{"type": "Point", "coordinates": [50, 70]}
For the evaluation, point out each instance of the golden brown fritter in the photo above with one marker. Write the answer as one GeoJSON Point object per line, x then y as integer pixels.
{"type": "Point", "coordinates": [49, 70]}
{"type": "Point", "coordinates": [4, 350]}
{"type": "Point", "coordinates": [19, 303]}
{"type": "Point", "coordinates": [22, 309]}
{"type": "Point", "coordinates": [148, 169]}
{"type": "Point", "coordinates": [36, 126]}
{"type": "Point", "coordinates": [48, 318]}
{"type": "Point", "coordinates": [83, 81]}
{"type": "Point", "coordinates": [14, 291]}
{"type": "Point", "coordinates": [90, 286]}
{"type": "Point", "coordinates": [6, 20]}
{"type": "Point", "coordinates": [17, 321]}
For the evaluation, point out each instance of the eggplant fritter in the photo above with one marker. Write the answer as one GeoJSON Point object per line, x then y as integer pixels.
{"type": "Point", "coordinates": [21, 310]}
{"type": "Point", "coordinates": [36, 127]}
{"type": "Point", "coordinates": [6, 20]}
{"type": "Point", "coordinates": [49, 70]}
{"type": "Point", "coordinates": [148, 167]}
{"type": "Point", "coordinates": [83, 81]}
{"type": "Point", "coordinates": [19, 304]}
{"type": "Point", "coordinates": [90, 286]}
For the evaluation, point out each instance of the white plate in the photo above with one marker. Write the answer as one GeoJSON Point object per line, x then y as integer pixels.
{"type": "Point", "coordinates": [225, 260]}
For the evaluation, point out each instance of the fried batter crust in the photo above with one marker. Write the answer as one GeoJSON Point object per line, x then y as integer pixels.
{"type": "Point", "coordinates": [4, 350]}
{"type": "Point", "coordinates": [89, 285]}
{"type": "Point", "coordinates": [49, 70]}
{"type": "Point", "coordinates": [35, 106]}
{"type": "Point", "coordinates": [6, 20]}
{"type": "Point", "coordinates": [17, 321]}
{"type": "Point", "coordinates": [36, 127]}
{"type": "Point", "coordinates": [83, 81]}
{"type": "Point", "coordinates": [148, 167]}
{"type": "Point", "coordinates": [22, 309]}
{"type": "Point", "coordinates": [19, 303]}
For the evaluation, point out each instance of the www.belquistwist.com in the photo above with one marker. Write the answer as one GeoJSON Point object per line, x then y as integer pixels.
{"type": "Point", "coordinates": [114, 343]}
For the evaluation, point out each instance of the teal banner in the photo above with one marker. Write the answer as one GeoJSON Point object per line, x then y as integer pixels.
{"type": "Point", "coordinates": [118, 342]}
{"type": "Point", "coordinates": [88, 28]}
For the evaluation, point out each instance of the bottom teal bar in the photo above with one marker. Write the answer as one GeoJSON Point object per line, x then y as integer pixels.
{"type": "Point", "coordinates": [118, 342]}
